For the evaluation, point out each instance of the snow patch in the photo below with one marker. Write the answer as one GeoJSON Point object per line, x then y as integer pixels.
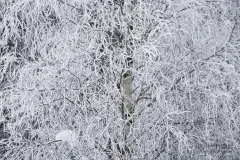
{"type": "Point", "coordinates": [67, 136]}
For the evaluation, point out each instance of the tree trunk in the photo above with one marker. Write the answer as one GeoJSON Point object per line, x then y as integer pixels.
{"type": "Point", "coordinates": [128, 108]}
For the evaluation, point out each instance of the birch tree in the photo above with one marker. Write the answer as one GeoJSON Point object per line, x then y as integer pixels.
{"type": "Point", "coordinates": [132, 79]}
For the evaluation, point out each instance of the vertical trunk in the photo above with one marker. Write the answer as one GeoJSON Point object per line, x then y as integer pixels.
{"type": "Point", "coordinates": [128, 108]}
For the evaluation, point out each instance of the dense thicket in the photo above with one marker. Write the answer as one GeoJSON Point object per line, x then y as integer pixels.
{"type": "Point", "coordinates": [140, 79]}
